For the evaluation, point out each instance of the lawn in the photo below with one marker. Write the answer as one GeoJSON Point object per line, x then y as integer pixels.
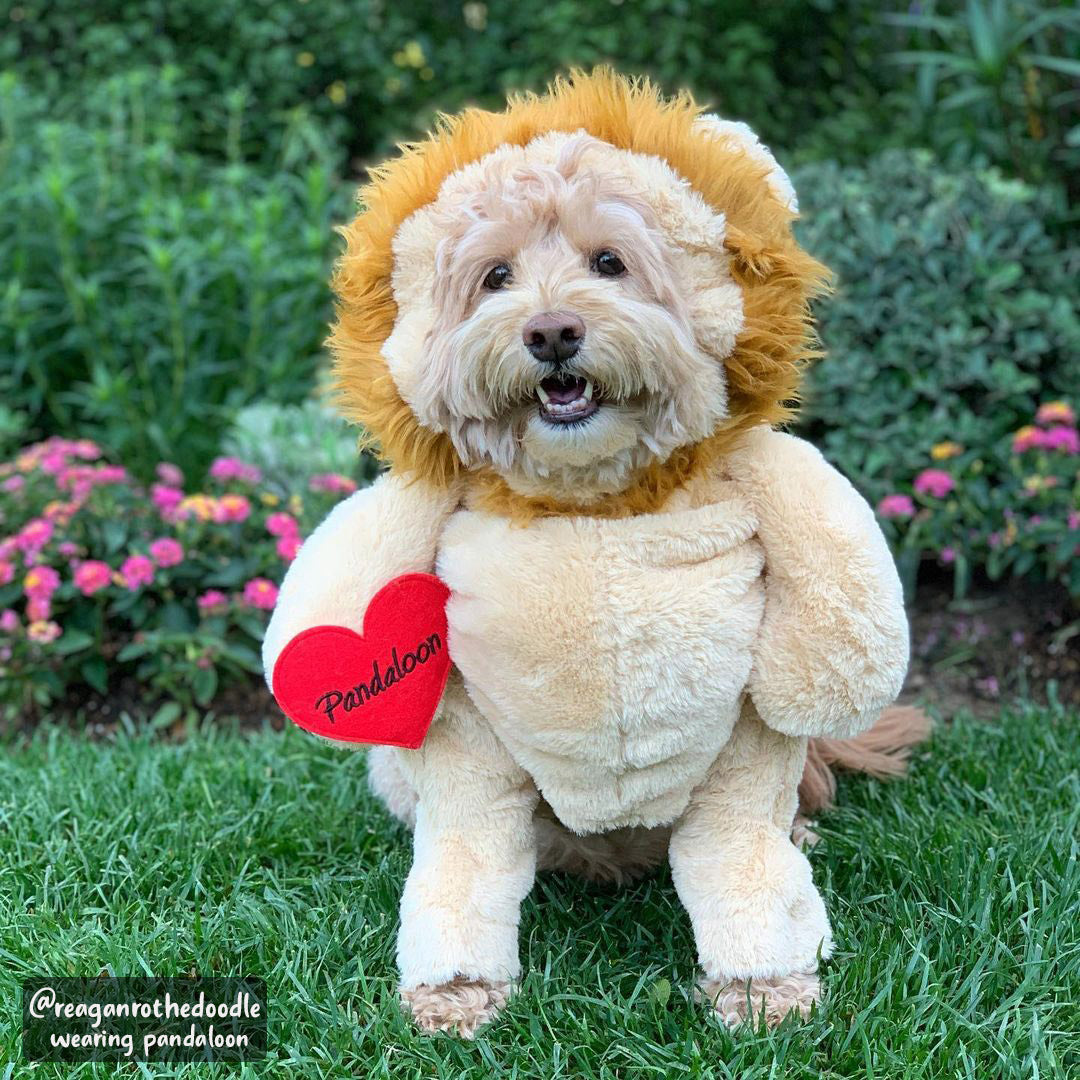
{"type": "Point", "coordinates": [955, 897]}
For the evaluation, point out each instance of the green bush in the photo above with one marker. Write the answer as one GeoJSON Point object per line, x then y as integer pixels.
{"type": "Point", "coordinates": [151, 294]}
{"type": "Point", "coordinates": [953, 318]}
{"type": "Point", "coordinates": [291, 443]}
{"type": "Point", "coordinates": [368, 73]}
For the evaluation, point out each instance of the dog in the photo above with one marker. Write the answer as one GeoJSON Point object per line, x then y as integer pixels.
{"type": "Point", "coordinates": [573, 328]}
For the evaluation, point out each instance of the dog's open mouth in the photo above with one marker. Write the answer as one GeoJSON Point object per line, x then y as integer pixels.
{"type": "Point", "coordinates": [566, 399]}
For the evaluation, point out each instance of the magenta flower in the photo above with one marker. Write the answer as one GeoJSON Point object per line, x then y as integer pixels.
{"type": "Point", "coordinates": [896, 506]}
{"type": "Point", "coordinates": [165, 498]}
{"type": "Point", "coordinates": [9, 621]}
{"type": "Point", "coordinates": [43, 632]}
{"type": "Point", "coordinates": [212, 602]}
{"type": "Point", "coordinates": [86, 449]}
{"type": "Point", "coordinates": [260, 593]}
{"type": "Point", "coordinates": [167, 552]}
{"type": "Point", "coordinates": [228, 468]}
{"type": "Point", "coordinates": [332, 483]}
{"type": "Point", "coordinates": [13, 483]}
{"type": "Point", "coordinates": [34, 535]}
{"type": "Point", "coordinates": [38, 608]}
{"type": "Point", "coordinates": [7, 572]}
{"type": "Point", "coordinates": [288, 546]}
{"type": "Point", "coordinates": [170, 474]}
{"type": "Point", "coordinates": [137, 570]}
{"type": "Point", "coordinates": [935, 482]}
{"type": "Point", "coordinates": [281, 524]}
{"type": "Point", "coordinates": [41, 582]}
{"type": "Point", "coordinates": [948, 555]}
{"type": "Point", "coordinates": [68, 548]}
{"type": "Point", "coordinates": [1074, 519]}
{"type": "Point", "coordinates": [91, 576]}
{"type": "Point", "coordinates": [1064, 439]}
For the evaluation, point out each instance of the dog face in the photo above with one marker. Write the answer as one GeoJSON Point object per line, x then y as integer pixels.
{"type": "Point", "coordinates": [564, 312]}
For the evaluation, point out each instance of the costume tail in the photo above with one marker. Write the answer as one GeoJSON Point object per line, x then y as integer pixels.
{"type": "Point", "coordinates": [883, 751]}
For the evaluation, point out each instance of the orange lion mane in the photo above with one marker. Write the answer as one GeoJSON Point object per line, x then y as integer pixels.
{"type": "Point", "coordinates": [777, 278]}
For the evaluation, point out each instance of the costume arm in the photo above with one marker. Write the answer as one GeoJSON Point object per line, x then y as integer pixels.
{"type": "Point", "coordinates": [832, 650]}
{"type": "Point", "coordinates": [387, 529]}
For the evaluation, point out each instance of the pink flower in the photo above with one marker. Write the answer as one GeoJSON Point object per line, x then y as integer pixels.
{"type": "Point", "coordinates": [1074, 519]}
{"type": "Point", "coordinates": [948, 555]}
{"type": "Point", "coordinates": [137, 570]}
{"type": "Point", "coordinates": [41, 582]}
{"type": "Point", "coordinates": [167, 551]}
{"type": "Point", "coordinates": [935, 482]}
{"type": "Point", "coordinates": [110, 474]}
{"type": "Point", "coordinates": [896, 506]}
{"type": "Point", "coordinates": [228, 468]}
{"type": "Point", "coordinates": [333, 483]}
{"type": "Point", "coordinates": [38, 608]}
{"type": "Point", "coordinates": [1064, 439]}
{"type": "Point", "coordinates": [260, 593]}
{"type": "Point", "coordinates": [1055, 412]}
{"type": "Point", "coordinates": [288, 546]}
{"type": "Point", "coordinates": [35, 535]}
{"type": "Point", "coordinates": [170, 474]}
{"type": "Point", "coordinates": [91, 576]}
{"type": "Point", "coordinates": [14, 483]}
{"type": "Point", "coordinates": [166, 499]}
{"type": "Point", "coordinates": [86, 449]}
{"type": "Point", "coordinates": [231, 508]}
{"type": "Point", "coordinates": [68, 548]}
{"type": "Point", "coordinates": [9, 621]}
{"type": "Point", "coordinates": [7, 572]}
{"type": "Point", "coordinates": [212, 602]}
{"type": "Point", "coordinates": [1027, 438]}
{"type": "Point", "coordinates": [281, 524]}
{"type": "Point", "coordinates": [43, 632]}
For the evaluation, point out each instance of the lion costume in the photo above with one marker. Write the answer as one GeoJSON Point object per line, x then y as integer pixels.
{"type": "Point", "coordinates": [571, 329]}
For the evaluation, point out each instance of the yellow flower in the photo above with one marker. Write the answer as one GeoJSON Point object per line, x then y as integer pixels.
{"type": "Point", "coordinates": [267, 498]}
{"type": "Point", "coordinates": [296, 504]}
{"type": "Point", "coordinates": [305, 59]}
{"type": "Point", "coordinates": [947, 449]}
{"type": "Point", "coordinates": [32, 580]}
{"type": "Point", "coordinates": [412, 55]}
{"type": "Point", "coordinates": [336, 92]}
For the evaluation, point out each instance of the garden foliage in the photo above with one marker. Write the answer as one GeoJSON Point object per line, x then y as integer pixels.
{"type": "Point", "coordinates": [170, 175]}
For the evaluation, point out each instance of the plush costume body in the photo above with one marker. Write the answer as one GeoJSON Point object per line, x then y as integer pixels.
{"type": "Point", "coordinates": [656, 598]}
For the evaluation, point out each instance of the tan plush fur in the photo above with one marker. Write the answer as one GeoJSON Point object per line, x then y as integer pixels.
{"type": "Point", "coordinates": [652, 610]}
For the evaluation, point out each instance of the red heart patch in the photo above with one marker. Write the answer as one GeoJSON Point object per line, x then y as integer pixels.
{"type": "Point", "coordinates": [380, 688]}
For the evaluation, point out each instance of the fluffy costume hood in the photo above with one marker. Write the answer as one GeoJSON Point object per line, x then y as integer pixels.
{"type": "Point", "coordinates": [722, 163]}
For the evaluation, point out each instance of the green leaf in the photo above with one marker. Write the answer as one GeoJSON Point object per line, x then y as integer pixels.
{"type": "Point", "coordinates": [96, 673]}
{"type": "Point", "coordinates": [72, 641]}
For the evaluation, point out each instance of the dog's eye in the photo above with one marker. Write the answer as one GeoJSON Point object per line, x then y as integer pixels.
{"type": "Point", "coordinates": [497, 277]}
{"type": "Point", "coordinates": [608, 263]}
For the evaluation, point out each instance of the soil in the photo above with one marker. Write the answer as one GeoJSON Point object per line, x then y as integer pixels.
{"type": "Point", "coordinates": [1002, 641]}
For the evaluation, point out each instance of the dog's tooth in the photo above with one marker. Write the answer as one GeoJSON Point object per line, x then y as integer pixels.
{"type": "Point", "coordinates": [588, 390]}
{"type": "Point", "coordinates": [544, 396]}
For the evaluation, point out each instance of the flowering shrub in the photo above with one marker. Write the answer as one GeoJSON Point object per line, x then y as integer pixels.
{"type": "Point", "coordinates": [1011, 508]}
{"type": "Point", "coordinates": [101, 578]}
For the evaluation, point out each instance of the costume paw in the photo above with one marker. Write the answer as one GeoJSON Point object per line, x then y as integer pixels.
{"type": "Point", "coordinates": [459, 1006]}
{"type": "Point", "coordinates": [737, 1000]}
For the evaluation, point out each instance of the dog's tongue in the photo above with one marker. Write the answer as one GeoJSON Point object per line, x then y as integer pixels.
{"type": "Point", "coordinates": [561, 390]}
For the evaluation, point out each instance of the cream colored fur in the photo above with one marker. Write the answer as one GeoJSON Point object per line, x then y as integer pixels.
{"type": "Point", "coordinates": [623, 688]}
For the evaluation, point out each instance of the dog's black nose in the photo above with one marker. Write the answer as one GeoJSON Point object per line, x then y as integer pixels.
{"type": "Point", "coordinates": [553, 336]}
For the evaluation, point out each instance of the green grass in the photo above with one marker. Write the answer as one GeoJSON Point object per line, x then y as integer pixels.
{"type": "Point", "coordinates": [955, 898]}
